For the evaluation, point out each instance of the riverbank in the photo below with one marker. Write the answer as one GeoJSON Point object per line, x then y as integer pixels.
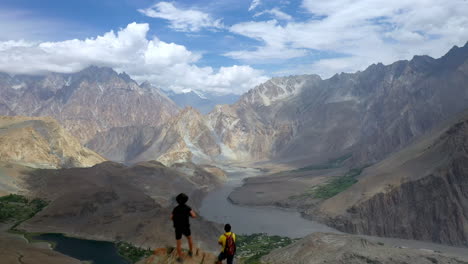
{"type": "Point", "coordinates": [262, 214]}
{"type": "Point", "coordinates": [255, 219]}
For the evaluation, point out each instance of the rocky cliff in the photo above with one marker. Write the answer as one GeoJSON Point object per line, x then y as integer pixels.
{"type": "Point", "coordinates": [42, 142]}
{"type": "Point", "coordinates": [418, 193]}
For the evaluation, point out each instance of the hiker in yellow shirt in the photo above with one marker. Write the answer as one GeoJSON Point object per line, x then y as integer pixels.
{"type": "Point", "coordinates": [228, 243]}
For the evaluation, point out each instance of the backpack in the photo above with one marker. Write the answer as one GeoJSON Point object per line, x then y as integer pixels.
{"type": "Point", "coordinates": [230, 248]}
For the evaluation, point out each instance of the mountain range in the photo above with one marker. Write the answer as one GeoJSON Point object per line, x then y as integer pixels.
{"type": "Point", "coordinates": [295, 120]}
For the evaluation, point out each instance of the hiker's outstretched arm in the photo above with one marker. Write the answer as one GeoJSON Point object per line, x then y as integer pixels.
{"type": "Point", "coordinates": [193, 214]}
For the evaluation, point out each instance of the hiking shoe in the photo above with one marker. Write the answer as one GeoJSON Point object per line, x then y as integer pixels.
{"type": "Point", "coordinates": [190, 253]}
{"type": "Point", "coordinates": [180, 260]}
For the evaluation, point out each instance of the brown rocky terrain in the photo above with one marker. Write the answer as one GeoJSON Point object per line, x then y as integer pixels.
{"type": "Point", "coordinates": [163, 255]}
{"type": "Point", "coordinates": [283, 189]}
{"type": "Point", "coordinates": [321, 248]}
{"type": "Point", "coordinates": [42, 142]}
{"type": "Point", "coordinates": [417, 193]}
{"type": "Point", "coordinates": [87, 102]}
{"type": "Point", "coordinates": [114, 202]}
{"type": "Point", "coordinates": [184, 138]}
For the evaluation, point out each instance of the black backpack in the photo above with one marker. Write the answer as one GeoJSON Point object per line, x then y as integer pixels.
{"type": "Point", "coordinates": [230, 248]}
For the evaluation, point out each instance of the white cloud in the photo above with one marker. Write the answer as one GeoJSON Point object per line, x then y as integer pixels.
{"type": "Point", "coordinates": [254, 4]}
{"type": "Point", "coordinates": [187, 20]}
{"type": "Point", "coordinates": [275, 38]}
{"type": "Point", "coordinates": [365, 31]}
{"type": "Point", "coordinates": [275, 12]}
{"type": "Point", "coordinates": [166, 65]}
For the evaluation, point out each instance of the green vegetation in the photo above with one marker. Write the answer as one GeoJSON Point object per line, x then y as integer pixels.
{"type": "Point", "coordinates": [132, 253]}
{"type": "Point", "coordinates": [331, 164]}
{"type": "Point", "coordinates": [17, 208]}
{"type": "Point", "coordinates": [334, 186]}
{"type": "Point", "coordinates": [250, 248]}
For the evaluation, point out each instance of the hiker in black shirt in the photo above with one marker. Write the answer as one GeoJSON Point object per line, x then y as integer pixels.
{"type": "Point", "coordinates": [180, 217]}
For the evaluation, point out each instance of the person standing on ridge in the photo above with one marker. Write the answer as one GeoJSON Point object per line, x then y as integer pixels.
{"type": "Point", "coordinates": [228, 243]}
{"type": "Point", "coordinates": [181, 219]}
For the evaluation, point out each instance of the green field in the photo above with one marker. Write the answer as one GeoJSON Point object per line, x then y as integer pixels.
{"type": "Point", "coordinates": [250, 248]}
{"type": "Point", "coordinates": [16, 208]}
{"type": "Point", "coordinates": [333, 186]}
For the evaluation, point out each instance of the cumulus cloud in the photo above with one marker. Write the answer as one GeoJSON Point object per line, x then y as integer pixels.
{"type": "Point", "coordinates": [166, 65]}
{"type": "Point", "coordinates": [254, 4]}
{"type": "Point", "coordinates": [275, 12]}
{"type": "Point", "coordinates": [187, 20]}
{"type": "Point", "coordinates": [361, 32]}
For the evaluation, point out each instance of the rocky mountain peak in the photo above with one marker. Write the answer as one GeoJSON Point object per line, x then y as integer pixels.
{"type": "Point", "coordinates": [277, 89]}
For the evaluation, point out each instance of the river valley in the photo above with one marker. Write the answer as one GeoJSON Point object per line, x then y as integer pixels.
{"type": "Point", "coordinates": [255, 219]}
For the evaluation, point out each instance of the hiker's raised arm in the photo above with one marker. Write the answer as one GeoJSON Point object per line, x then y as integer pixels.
{"type": "Point", "coordinates": [193, 214]}
{"type": "Point", "coordinates": [172, 216]}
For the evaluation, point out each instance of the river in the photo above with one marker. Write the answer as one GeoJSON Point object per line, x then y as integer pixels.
{"type": "Point", "coordinates": [255, 219]}
{"type": "Point", "coordinates": [98, 252]}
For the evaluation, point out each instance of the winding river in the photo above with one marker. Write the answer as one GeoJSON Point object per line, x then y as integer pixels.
{"type": "Point", "coordinates": [254, 219]}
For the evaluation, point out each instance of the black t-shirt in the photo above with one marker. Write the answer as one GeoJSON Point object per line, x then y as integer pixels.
{"type": "Point", "coordinates": [181, 214]}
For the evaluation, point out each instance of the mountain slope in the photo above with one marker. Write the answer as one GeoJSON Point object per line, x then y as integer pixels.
{"type": "Point", "coordinates": [185, 137]}
{"type": "Point", "coordinates": [321, 248]}
{"type": "Point", "coordinates": [42, 142]}
{"type": "Point", "coordinates": [418, 193]}
{"type": "Point", "coordinates": [304, 119]}
{"type": "Point", "coordinates": [87, 102]}
{"type": "Point", "coordinates": [114, 202]}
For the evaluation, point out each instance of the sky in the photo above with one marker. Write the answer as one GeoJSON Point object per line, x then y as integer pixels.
{"type": "Point", "coordinates": [223, 46]}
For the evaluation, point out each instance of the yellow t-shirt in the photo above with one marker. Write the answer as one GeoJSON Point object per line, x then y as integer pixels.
{"type": "Point", "coordinates": [222, 239]}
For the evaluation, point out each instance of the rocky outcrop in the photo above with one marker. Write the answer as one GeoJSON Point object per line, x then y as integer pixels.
{"type": "Point", "coordinates": [42, 142]}
{"type": "Point", "coordinates": [168, 256]}
{"type": "Point", "coordinates": [321, 248]}
{"type": "Point", "coordinates": [418, 193]}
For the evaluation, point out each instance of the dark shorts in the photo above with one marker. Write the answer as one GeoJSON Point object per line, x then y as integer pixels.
{"type": "Point", "coordinates": [182, 231]}
{"type": "Point", "coordinates": [223, 256]}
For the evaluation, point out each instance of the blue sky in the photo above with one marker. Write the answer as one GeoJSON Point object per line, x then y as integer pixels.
{"type": "Point", "coordinates": [226, 45]}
